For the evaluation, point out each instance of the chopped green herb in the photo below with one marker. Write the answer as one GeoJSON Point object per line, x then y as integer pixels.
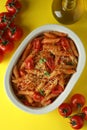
{"type": "Point", "coordinates": [42, 60]}
{"type": "Point", "coordinates": [46, 73]}
{"type": "Point", "coordinates": [69, 63]}
{"type": "Point", "coordinates": [42, 92]}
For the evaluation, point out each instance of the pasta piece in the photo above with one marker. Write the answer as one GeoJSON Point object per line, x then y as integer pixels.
{"type": "Point", "coordinates": [74, 49]}
{"type": "Point", "coordinates": [51, 84]}
{"type": "Point", "coordinates": [41, 85]}
{"type": "Point", "coordinates": [53, 49]}
{"type": "Point", "coordinates": [61, 81]}
{"type": "Point", "coordinates": [28, 57]}
{"type": "Point", "coordinates": [15, 71]}
{"type": "Point", "coordinates": [46, 102]}
{"type": "Point", "coordinates": [71, 66]}
{"type": "Point", "coordinates": [16, 80]}
{"type": "Point", "coordinates": [47, 99]}
{"type": "Point", "coordinates": [25, 54]}
{"type": "Point", "coordinates": [68, 71]}
{"type": "Point", "coordinates": [60, 34]}
{"type": "Point", "coordinates": [50, 40]}
{"type": "Point", "coordinates": [49, 35]}
{"type": "Point", "coordinates": [30, 93]}
{"type": "Point", "coordinates": [54, 74]}
{"type": "Point", "coordinates": [29, 99]}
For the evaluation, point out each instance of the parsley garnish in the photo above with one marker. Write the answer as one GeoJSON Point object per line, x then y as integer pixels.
{"type": "Point", "coordinates": [42, 92]}
{"type": "Point", "coordinates": [69, 63]}
{"type": "Point", "coordinates": [46, 73]}
{"type": "Point", "coordinates": [42, 60]}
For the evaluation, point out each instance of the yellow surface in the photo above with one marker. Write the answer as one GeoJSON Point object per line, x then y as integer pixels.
{"type": "Point", "coordinates": [34, 14]}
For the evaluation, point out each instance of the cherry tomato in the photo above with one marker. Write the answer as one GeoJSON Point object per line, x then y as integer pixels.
{"type": "Point", "coordinates": [65, 44]}
{"type": "Point", "coordinates": [65, 109]}
{"type": "Point", "coordinates": [76, 122]}
{"type": "Point", "coordinates": [50, 63]}
{"type": "Point", "coordinates": [5, 17]}
{"type": "Point", "coordinates": [29, 63]}
{"type": "Point", "coordinates": [25, 102]}
{"type": "Point", "coordinates": [13, 6]}
{"type": "Point", "coordinates": [57, 90]}
{"type": "Point", "coordinates": [14, 32]}
{"type": "Point", "coordinates": [21, 72]}
{"type": "Point", "coordinates": [77, 101]}
{"type": "Point", "coordinates": [84, 110]}
{"type": "Point", "coordinates": [36, 44]}
{"type": "Point", "coordinates": [37, 97]}
{"type": "Point", "coordinates": [1, 55]}
{"type": "Point", "coordinates": [6, 46]}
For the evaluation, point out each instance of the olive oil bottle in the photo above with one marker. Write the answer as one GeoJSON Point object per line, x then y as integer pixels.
{"type": "Point", "coordinates": [68, 11]}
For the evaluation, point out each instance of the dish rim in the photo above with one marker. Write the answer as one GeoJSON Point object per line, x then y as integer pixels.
{"type": "Point", "coordinates": [72, 81]}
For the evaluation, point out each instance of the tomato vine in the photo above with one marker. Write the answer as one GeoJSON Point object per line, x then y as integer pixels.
{"type": "Point", "coordinates": [9, 31]}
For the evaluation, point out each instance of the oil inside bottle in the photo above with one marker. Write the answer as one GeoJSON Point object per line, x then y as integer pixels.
{"type": "Point", "coordinates": [68, 11]}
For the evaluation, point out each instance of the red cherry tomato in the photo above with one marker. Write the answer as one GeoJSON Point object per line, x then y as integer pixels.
{"type": "Point", "coordinates": [65, 44]}
{"type": "Point", "coordinates": [76, 122]}
{"type": "Point", "coordinates": [50, 63]}
{"type": "Point", "coordinates": [58, 90]}
{"type": "Point", "coordinates": [37, 97]}
{"type": "Point", "coordinates": [1, 55]}
{"type": "Point", "coordinates": [6, 46]}
{"type": "Point", "coordinates": [77, 101]}
{"type": "Point", "coordinates": [5, 17]}
{"type": "Point", "coordinates": [84, 110]}
{"type": "Point", "coordinates": [13, 6]}
{"type": "Point", "coordinates": [36, 44]}
{"type": "Point", "coordinates": [21, 72]}
{"type": "Point", "coordinates": [25, 102]}
{"type": "Point", "coordinates": [29, 63]}
{"type": "Point", "coordinates": [14, 32]}
{"type": "Point", "coordinates": [65, 109]}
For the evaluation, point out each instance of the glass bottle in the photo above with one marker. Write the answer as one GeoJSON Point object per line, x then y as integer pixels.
{"type": "Point", "coordinates": [68, 11]}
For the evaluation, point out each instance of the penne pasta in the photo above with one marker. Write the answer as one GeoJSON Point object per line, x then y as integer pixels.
{"type": "Point", "coordinates": [50, 35]}
{"type": "Point", "coordinates": [30, 93]}
{"type": "Point", "coordinates": [26, 59]}
{"type": "Point", "coordinates": [50, 40]}
{"type": "Point", "coordinates": [25, 54]}
{"type": "Point", "coordinates": [74, 49]}
{"type": "Point", "coordinates": [60, 34]}
{"type": "Point", "coordinates": [29, 99]}
{"type": "Point", "coordinates": [15, 71]}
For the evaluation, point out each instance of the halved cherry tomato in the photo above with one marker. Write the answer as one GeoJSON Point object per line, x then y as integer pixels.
{"type": "Point", "coordinates": [21, 72]}
{"type": "Point", "coordinates": [6, 46]}
{"type": "Point", "coordinates": [37, 44]}
{"type": "Point", "coordinates": [14, 32]}
{"type": "Point", "coordinates": [1, 55]}
{"type": "Point", "coordinates": [84, 110]}
{"type": "Point", "coordinates": [77, 101]}
{"type": "Point", "coordinates": [5, 17]}
{"type": "Point", "coordinates": [65, 109]}
{"type": "Point", "coordinates": [50, 63]}
{"type": "Point", "coordinates": [25, 102]}
{"type": "Point", "coordinates": [29, 63]}
{"type": "Point", "coordinates": [65, 44]}
{"type": "Point", "coordinates": [13, 6]}
{"type": "Point", "coordinates": [57, 90]}
{"type": "Point", "coordinates": [37, 97]}
{"type": "Point", "coordinates": [76, 122]}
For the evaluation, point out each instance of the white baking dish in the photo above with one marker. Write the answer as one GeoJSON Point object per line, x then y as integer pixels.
{"type": "Point", "coordinates": [72, 81]}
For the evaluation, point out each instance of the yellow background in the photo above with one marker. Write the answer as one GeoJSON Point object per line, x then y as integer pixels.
{"type": "Point", "coordinates": [35, 13]}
